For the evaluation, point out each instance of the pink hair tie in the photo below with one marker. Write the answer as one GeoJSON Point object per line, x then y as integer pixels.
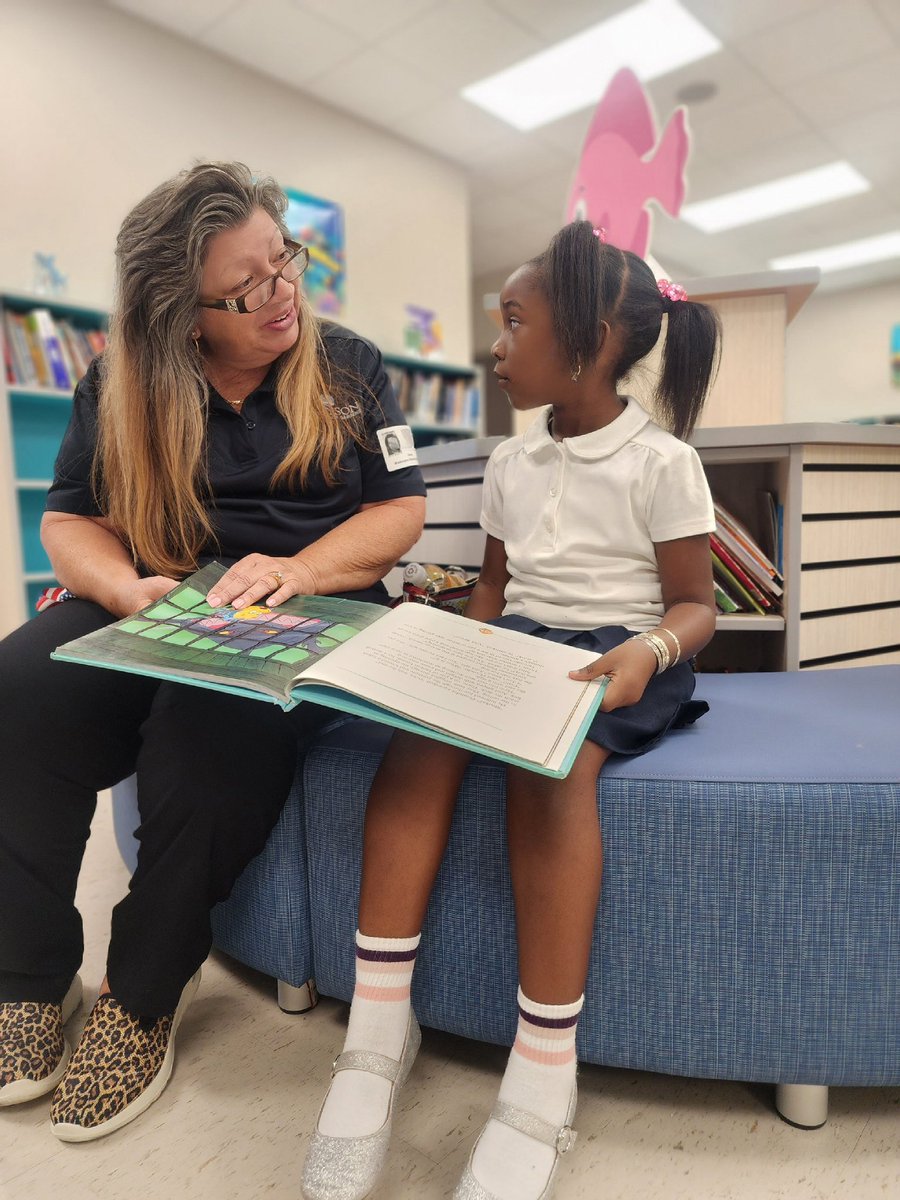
{"type": "Point", "coordinates": [671, 291]}
{"type": "Point", "coordinates": [600, 232]}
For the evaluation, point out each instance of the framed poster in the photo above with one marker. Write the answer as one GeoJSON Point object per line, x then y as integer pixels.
{"type": "Point", "coordinates": [319, 225]}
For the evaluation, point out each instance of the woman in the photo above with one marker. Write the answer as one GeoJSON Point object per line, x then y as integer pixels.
{"type": "Point", "coordinates": [223, 422]}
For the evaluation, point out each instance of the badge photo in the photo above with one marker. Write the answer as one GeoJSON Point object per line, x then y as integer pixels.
{"type": "Point", "coordinates": [397, 447]}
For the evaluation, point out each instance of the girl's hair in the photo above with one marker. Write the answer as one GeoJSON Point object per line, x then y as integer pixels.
{"type": "Point", "coordinates": [588, 281]}
{"type": "Point", "coordinates": [150, 465]}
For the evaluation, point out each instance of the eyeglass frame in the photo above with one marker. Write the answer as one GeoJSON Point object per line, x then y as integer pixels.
{"type": "Point", "coordinates": [238, 304]}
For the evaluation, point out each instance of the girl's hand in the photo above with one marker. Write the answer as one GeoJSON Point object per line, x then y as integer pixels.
{"type": "Point", "coordinates": [629, 667]}
{"type": "Point", "coordinates": [260, 577]}
{"type": "Point", "coordinates": [138, 593]}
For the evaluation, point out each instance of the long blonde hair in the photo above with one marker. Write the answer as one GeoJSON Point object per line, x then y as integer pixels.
{"type": "Point", "coordinates": [150, 468]}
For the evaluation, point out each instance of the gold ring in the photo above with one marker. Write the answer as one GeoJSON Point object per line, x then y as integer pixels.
{"type": "Point", "coordinates": [278, 577]}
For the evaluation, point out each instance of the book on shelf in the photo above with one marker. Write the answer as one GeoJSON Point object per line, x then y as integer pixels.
{"type": "Point", "coordinates": [15, 338]}
{"type": "Point", "coordinates": [741, 567]}
{"type": "Point", "coordinates": [47, 351]}
{"type": "Point", "coordinates": [44, 327]}
{"type": "Point", "coordinates": [724, 602]}
{"type": "Point", "coordinates": [493, 691]}
{"type": "Point", "coordinates": [733, 587]}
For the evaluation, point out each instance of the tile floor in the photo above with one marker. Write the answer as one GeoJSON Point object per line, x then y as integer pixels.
{"type": "Point", "coordinates": [233, 1123]}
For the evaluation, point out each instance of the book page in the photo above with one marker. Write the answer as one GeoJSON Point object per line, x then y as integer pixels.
{"type": "Point", "coordinates": [489, 685]}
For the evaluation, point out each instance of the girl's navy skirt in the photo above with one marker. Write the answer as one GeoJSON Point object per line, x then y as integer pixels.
{"type": "Point", "coordinates": [666, 703]}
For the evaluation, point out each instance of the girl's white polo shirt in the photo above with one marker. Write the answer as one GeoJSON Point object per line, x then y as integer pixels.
{"type": "Point", "coordinates": [579, 518]}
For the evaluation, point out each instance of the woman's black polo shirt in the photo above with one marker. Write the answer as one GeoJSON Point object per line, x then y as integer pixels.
{"type": "Point", "coordinates": [245, 448]}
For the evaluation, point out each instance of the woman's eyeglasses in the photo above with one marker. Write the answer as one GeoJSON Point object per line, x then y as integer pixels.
{"type": "Point", "coordinates": [296, 260]}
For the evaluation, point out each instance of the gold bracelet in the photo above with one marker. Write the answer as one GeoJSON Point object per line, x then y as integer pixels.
{"type": "Point", "coordinates": [674, 637]}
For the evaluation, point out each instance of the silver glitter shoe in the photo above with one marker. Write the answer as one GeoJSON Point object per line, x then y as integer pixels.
{"type": "Point", "coordinates": [347, 1168]}
{"type": "Point", "coordinates": [559, 1139]}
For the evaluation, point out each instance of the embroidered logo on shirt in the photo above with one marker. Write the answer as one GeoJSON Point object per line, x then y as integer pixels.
{"type": "Point", "coordinates": [346, 410]}
{"type": "Point", "coordinates": [397, 447]}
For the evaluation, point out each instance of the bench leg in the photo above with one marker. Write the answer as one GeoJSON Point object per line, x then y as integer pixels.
{"type": "Point", "coordinates": [296, 1000]}
{"type": "Point", "coordinates": [802, 1104]}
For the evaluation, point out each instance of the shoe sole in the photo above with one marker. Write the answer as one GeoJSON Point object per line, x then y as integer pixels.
{"type": "Point", "coordinates": [82, 1133]}
{"type": "Point", "coordinates": [23, 1090]}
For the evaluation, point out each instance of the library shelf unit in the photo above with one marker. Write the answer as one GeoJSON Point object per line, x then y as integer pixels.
{"type": "Point", "coordinates": [32, 422]}
{"type": "Point", "coordinates": [441, 401]}
{"type": "Point", "coordinates": [838, 486]}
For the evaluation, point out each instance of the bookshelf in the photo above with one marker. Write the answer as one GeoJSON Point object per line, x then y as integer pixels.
{"type": "Point", "coordinates": [33, 417]}
{"type": "Point", "coordinates": [441, 402]}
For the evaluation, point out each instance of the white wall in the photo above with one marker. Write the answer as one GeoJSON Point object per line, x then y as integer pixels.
{"type": "Point", "coordinates": [838, 356]}
{"type": "Point", "coordinates": [100, 107]}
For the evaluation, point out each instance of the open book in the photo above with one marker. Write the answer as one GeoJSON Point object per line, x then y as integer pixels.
{"type": "Point", "coordinates": [494, 691]}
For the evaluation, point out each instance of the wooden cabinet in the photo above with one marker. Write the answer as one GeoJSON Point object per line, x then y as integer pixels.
{"type": "Point", "coordinates": [839, 491]}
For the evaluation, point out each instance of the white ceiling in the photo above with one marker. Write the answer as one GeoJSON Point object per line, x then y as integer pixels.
{"type": "Point", "coordinates": [799, 83]}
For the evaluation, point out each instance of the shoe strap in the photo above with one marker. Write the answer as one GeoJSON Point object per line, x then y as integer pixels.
{"type": "Point", "coordinates": [367, 1060]}
{"type": "Point", "coordinates": [559, 1138]}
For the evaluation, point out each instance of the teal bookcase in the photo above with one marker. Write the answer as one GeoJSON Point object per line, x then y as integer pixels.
{"type": "Point", "coordinates": [39, 378]}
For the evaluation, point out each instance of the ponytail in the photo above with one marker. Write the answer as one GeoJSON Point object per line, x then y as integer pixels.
{"type": "Point", "coordinates": [690, 359]}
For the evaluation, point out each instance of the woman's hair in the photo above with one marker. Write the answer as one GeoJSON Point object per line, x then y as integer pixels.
{"type": "Point", "coordinates": [588, 282]}
{"type": "Point", "coordinates": [150, 466]}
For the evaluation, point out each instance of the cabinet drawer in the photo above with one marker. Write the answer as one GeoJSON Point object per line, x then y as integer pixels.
{"type": "Point", "coordinates": [453, 504]}
{"type": "Point", "coordinates": [847, 491]}
{"type": "Point", "coordinates": [847, 587]}
{"type": "Point", "coordinates": [841, 539]}
{"type": "Point", "coordinates": [848, 633]}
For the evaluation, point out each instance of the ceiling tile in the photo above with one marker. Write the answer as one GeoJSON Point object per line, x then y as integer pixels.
{"type": "Point", "coordinates": [180, 16]}
{"type": "Point", "coordinates": [889, 12]}
{"type": "Point", "coordinates": [728, 133]}
{"type": "Point", "coordinates": [453, 128]}
{"type": "Point", "coordinates": [555, 22]}
{"type": "Point", "coordinates": [369, 21]}
{"type": "Point", "coordinates": [841, 34]}
{"type": "Point", "coordinates": [375, 86]}
{"type": "Point", "coordinates": [275, 37]}
{"type": "Point", "coordinates": [460, 44]}
{"type": "Point", "coordinates": [731, 19]}
{"type": "Point", "coordinates": [832, 96]}
{"type": "Point", "coordinates": [870, 142]}
{"type": "Point", "coordinates": [734, 81]}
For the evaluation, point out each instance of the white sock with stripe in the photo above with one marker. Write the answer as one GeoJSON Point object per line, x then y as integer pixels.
{"type": "Point", "coordinates": [357, 1102]}
{"type": "Point", "coordinates": [539, 1078]}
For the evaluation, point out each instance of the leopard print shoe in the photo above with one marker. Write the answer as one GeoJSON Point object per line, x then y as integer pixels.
{"type": "Point", "coordinates": [33, 1049]}
{"type": "Point", "coordinates": [118, 1069]}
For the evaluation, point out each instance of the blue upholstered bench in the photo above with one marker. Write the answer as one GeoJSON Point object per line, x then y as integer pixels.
{"type": "Point", "coordinates": [749, 925]}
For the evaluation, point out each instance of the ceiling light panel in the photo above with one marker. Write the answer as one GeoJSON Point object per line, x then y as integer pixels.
{"type": "Point", "coordinates": [790, 194]}
{"type": "Point", "coordinates": [877, 249]}
{"type": "Point", "coordinates": [652, 38]}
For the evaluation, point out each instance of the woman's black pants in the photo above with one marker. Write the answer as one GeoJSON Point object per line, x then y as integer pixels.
{"type": "Point", "coordinates": [213, 773]}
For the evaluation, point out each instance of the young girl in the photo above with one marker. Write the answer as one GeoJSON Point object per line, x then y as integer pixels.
{"type": "Point", "coordinates": [597, 523]}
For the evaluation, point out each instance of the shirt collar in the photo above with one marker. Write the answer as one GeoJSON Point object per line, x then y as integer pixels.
{"type": "Point", "coordinates": [589, 446]}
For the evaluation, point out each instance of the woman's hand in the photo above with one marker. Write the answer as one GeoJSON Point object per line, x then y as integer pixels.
{"type": "Point", "coordinates": [260, 577]}
{"type": "Point", "coordinates": [629, 667]}
{"type": "Point", "coordinates": [131, 597]}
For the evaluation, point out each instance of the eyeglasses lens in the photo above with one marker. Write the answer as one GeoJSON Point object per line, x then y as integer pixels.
{"type": "Point", "coordinates": [263, 292]}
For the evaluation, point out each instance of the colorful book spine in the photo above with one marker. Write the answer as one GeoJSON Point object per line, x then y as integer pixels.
{"type": "Point", "coordinates": [45, 328]}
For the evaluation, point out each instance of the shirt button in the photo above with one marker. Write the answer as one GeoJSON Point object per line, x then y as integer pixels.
{"type": "Point", "coordinates": [553, 491]}
{"type": "Point", "coordinates": [251, 424]}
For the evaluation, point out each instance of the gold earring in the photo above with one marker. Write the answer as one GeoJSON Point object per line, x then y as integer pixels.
{"type": "Point", "coordinates": [575, 374]}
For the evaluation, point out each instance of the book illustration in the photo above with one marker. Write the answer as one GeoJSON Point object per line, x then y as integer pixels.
{"type": "Point", "coordinates": [491, 690]}
{"type": "Point", "coordinates": [258, 647]}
